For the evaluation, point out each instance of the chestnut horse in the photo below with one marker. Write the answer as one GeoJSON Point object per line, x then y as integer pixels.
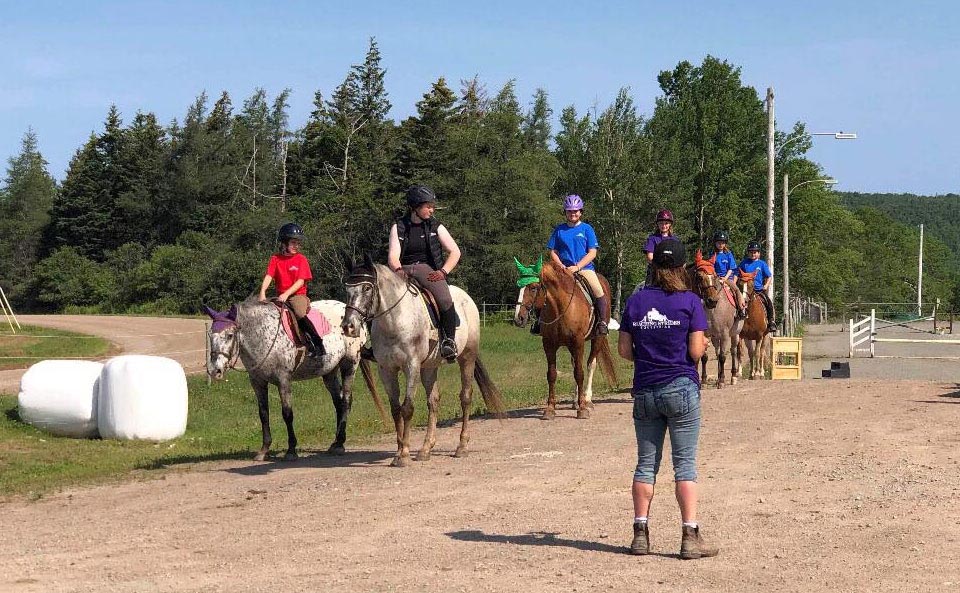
{"type": "Point", "coordinates": [755, 327]}
{"type": "Point", "coordinates": [723, 327]}
{"type": "Point", "coordinates": [566, 319]}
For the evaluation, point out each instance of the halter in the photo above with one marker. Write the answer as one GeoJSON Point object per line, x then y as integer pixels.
{"type": "Point", "coordinates": [573, 293]}
{"type": "Point", "coordinates": [365, 279]}
{"type": "Point", "coordinates": [234, 355]}
{"type": "Point", "coordinates": [709, 285]}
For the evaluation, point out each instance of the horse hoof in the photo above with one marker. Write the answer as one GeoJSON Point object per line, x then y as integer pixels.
{"type": "Point", "coordinates": [261, 456]}
{"type": "Point", "coordinates": [460, 452]}
{"type": "Point", "coordinates": [400, 461]}
{"type": "Point", "coordinates": [336, 450]}
{"type": "Point", "coordinates": [549, 414]}
{"type": "Point", "coordinates": [290, 456]}
{"type": "Point", "coordinates": [423, 455]}
{"type": "Point", "coordinates": [583, 413]}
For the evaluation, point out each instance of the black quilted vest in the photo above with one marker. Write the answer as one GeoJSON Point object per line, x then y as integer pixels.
{"type": "Point", "coordinates": [434, 255]}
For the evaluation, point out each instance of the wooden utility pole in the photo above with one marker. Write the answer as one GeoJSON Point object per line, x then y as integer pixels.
{"type": "Point", "coordinates": [787, 325]}
{"type": "Point", "coordinates": [920, 277]}
{"type": "Point", "coordinates": [771, 182]}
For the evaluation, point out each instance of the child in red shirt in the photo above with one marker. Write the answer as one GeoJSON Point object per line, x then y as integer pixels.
{"type": "Point", "coordinates": [291, 271]}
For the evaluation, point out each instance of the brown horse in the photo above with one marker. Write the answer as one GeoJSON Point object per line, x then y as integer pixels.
{"type": "Point", "coordinates": [566, 319]}
{"type": "Point", "coordinates": [755, 327]}
{"type": "Point", "coordinates": [723, 327]}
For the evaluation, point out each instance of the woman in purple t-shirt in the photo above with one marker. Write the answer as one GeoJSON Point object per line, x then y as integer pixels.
{"type": "Point", "coordinates": [661, 331]}
{"type": "Point", "coordinates": [664, 231]}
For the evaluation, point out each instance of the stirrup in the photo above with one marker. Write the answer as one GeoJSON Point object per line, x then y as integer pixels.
{"type": "Point", "coordinates": [448, 349]}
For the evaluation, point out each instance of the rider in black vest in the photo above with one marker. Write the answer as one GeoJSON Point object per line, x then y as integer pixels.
{"type": "Point", "coordinates": [417, 243]}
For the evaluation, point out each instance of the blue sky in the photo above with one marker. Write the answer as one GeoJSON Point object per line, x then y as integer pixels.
{"type": "Point", "coordinates": [887, 71]}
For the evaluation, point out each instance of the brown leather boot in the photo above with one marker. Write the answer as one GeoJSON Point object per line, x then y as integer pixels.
{"type": "Point", "coordinates": [692, 545]}
{"type": "Point", "coordinates": [641, 539]}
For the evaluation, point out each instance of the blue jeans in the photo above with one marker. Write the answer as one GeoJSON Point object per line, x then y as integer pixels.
{"type": "Point", "coordinates": [656, 408]}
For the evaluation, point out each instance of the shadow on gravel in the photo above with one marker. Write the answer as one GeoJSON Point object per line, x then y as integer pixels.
{"type": "Point", "coordinates": [951, 398]}
{"type": "Point", "coordinates": [317, 459]}
{"type": "Point", "coordinates": [542, 538]}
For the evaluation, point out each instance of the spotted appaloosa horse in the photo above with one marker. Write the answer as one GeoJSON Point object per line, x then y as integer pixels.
{"type": "Point", "coordinates": [565, 321]}
{"type": "Point", "coordinates": [755, 327]}
{"type": "Point", "coordinates": [723, 327]}
{"type": "Point", "coordinates": [252, 331]}
{"type": "Point", "coordinates": [403, 339]}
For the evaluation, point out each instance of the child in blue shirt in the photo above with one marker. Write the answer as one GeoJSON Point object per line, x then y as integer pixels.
{"type": "Point", "coordinates": [573, 245]}
{"type": "Point", "coordinates": [761, 281]}
{"type": "Point", "coordinates": [725, 265]}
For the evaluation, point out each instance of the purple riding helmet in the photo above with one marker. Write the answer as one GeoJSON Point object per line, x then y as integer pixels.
{"type": "Point", "coordinates": [573, 202]}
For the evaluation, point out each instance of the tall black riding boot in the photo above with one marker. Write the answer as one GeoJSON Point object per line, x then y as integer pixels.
{"type": "Point", "coordinates": [314, 342]}
{"type": "Point", "coordinates": [600, 307]}
{"type": "Point", "coordinates": [771, 319]}
{"type": "Point", "coordinates": [448, 343]}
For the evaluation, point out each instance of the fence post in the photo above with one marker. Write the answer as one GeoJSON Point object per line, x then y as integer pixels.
{"type": "Point", "coordinates": [873, 330]}
{"type": "Point", "coordinates": [851, 338]}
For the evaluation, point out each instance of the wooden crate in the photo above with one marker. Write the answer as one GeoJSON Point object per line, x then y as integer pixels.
{"type": "Point", "coordinates": [787, 358]}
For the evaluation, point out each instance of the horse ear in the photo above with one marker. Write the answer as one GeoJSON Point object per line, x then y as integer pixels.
{"type": "Point", "coordinates": [368, 260]}
{"type": "Point", "coordinates": [214, 314]}
{"type": "Point", "coordinates": [713, 259]}
{"type": "Point", "coordinates": [232, 313]}
{"type": "Point", "coordinates": [699, 256]}
{"type": "Point", "coordinates": [539, 267]}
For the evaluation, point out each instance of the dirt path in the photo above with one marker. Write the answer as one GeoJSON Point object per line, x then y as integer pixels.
{"type": "Point", "coordinates": [825, 485]}
{"type": "Point", "coordinates": [173, 337]}
{"type": "Point", "coordinates": [846, 486]}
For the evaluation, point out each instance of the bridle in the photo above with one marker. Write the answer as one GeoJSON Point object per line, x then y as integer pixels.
{"type": "Point", "coordinates": [370, 279]}
{"type": "Point", "coordinates": [533, 300]}
{"type": "Point", "coordinates": [709, 286]}
{"type": "Point", "coordinates": [234, 355]}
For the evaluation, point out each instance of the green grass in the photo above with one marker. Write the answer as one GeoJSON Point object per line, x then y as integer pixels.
{"type": "Point", "coordinates": [20, 350]}
{"type": "Point", "coordinates": [223, 421]}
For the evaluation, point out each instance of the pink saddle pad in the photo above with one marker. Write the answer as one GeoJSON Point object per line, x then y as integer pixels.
{"type": "Point", "coordinates": [315, 317]}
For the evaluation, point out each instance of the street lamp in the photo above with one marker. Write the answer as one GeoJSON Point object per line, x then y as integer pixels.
{"type": "Point", "coordinates": [787, 190]}
{"type": "Point", "coordinates": [771, 173]}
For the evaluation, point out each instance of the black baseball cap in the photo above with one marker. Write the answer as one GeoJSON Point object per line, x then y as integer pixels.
{"type": "Point", "coordinates": [670, 253]}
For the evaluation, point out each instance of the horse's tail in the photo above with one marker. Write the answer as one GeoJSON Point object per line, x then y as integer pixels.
{"type": "Point", "coordinates": [491, 395]}
{"type": "Point", "coordinates": [372, 386]}
{"type": "Point", "coordinates": [605, 358]}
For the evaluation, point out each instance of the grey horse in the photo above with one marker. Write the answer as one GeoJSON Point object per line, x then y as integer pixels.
{"type": "Point", "coordinates": [723, 327]}
{"type": "Point", "coordinates": [252, 332]}
{"type": "Point", "coordinates": [404, 339]}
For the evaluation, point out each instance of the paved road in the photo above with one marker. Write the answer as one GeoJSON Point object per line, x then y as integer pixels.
{"type": "Point", "coordinates": [177, 338]}
{"type": "Point", "coordinates": [825, 343]}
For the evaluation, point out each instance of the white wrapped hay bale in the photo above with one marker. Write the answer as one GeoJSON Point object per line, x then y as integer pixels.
{"type": "Point", "coordinates": [60, 397]}
{"type": "Point", "coordinates": [142, 397]}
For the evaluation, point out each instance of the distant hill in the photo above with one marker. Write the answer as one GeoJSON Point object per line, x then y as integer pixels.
{"type": "Point", "coordinates": [940, 215]}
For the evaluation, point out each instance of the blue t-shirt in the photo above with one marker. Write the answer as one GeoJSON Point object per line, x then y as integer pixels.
{"type": "Point", "coordinates": [725, 261]}
{"type": "Point", "coordinates": [762, 270]}
{"type": "Point", "coordinates": [572, 243]}
{"type": "Point", "coordinates": [659, 323]}
{"type": "Point", "coordinates": [653, 240]}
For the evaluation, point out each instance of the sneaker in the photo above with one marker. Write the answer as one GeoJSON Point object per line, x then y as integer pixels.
{"type": "Point", "coordinates": [641, 539]}
{"type": "Point", "coordinates": [448, 349]}
{"type": "Point", "coordinates": [692, 545]}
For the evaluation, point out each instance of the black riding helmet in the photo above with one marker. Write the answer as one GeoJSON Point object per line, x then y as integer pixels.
{"type": "Point", "coordinates": [420, 194]}
{"type": "Point", "coordinates": [291, 230]}
{"type": "Point", "coordinates": [753, 246]}
{"type": "Point", "coordinates": [721, 236]}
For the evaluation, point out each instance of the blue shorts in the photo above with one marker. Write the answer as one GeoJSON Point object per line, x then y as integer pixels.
{"type": "Point", "coordinates": [657, 408]}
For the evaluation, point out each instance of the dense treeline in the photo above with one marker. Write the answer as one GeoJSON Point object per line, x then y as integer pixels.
{"type": "Point", "coordinates": [940, 215]}
{"type": "Point", "coordinates": [157, 218]}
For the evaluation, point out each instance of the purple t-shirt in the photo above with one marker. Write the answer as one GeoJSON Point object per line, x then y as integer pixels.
{"type": "Point", "coordinates": [659, 323]}
{"type": "Point", "coordinates": [653, 240]}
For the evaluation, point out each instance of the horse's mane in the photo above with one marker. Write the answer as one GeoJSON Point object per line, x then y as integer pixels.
{"type": "Point", "coordinates": [555, 273]}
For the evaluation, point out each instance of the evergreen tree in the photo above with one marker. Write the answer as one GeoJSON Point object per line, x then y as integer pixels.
{"type": "Point", "coordinates": [536, 124]}
{"type": "Point", "coordinates": [26, 197]}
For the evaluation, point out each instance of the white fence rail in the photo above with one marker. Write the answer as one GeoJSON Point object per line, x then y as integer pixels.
{"type": "Point", "coordinates": [865, 331]}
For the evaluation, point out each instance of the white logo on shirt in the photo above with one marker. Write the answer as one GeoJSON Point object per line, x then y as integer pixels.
{"type": "Point", "coordinates": [293, 268]}
{"type": "Point", "coordinates": [655, 320]}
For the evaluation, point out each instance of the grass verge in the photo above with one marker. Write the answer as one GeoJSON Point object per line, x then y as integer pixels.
{"type": "Point", "coordinates": [223, 421]}
{"type": "Point", "coordinates": [30, 345]}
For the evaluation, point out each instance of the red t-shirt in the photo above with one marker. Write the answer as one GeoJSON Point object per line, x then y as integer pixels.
{"type": "Point", "coordinates": [287, 269]}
